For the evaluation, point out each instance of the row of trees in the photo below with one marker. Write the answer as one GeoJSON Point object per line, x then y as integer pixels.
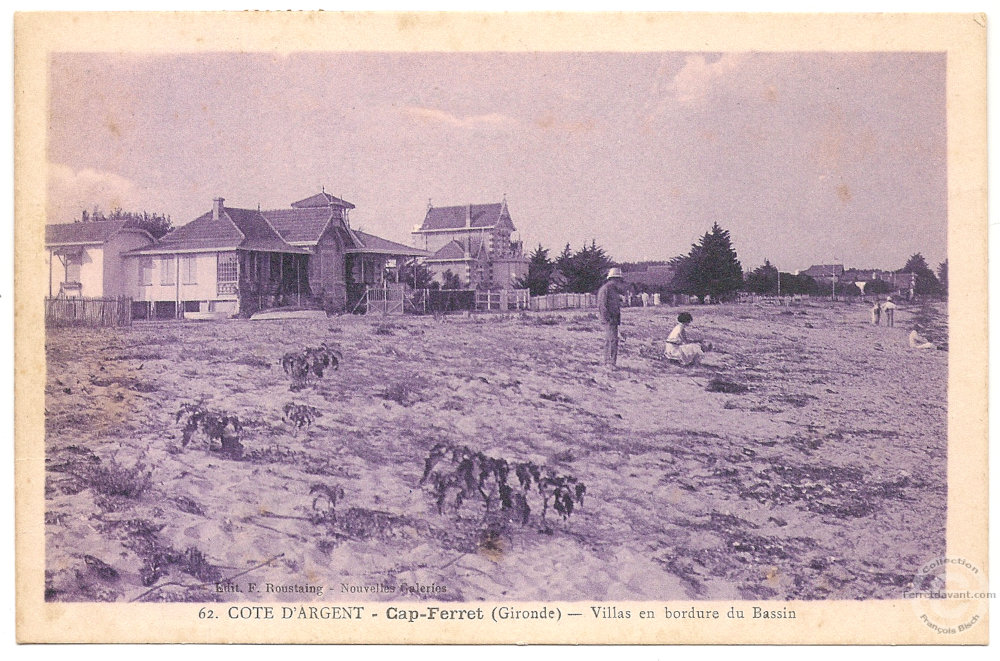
{"type": "Point", "coordinates": [580, 272]}
{"type": "Point", "coordinates": [710, 268]}
{"type": "Point", "coordinates": [157, 224]}
{"type": "Point", "coordinates": [764, 280]}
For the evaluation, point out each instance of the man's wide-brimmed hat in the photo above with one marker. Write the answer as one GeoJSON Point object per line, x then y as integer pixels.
{"type": "Point", "coordinates": [614, 273]}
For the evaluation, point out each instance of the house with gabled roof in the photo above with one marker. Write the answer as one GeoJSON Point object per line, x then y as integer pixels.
{"type": "Point", "coordinates": [343, 261]}
{"type": "Point", "coordinates": [473, 241]}
{"type": "Point", "coordinates": [85, 259]}
{"type": "Point", "coordinates": [226, 261]}
{"type": "Point", "coordinates": [238, 261]}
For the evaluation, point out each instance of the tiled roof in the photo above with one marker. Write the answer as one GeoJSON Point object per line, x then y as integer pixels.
{"type": "Point", "coordinates": [456, 249]}
{"type": "Point", "coordinates": [826, 270]}
{"type": "Point", "coordinates": [260, 235]}
{"type": "Point", "coordinates": [376, 244]}
{"type": "Point", "coordinates": [451, 250]}
{"type": "Point", "coordinates": [483, 215]}
{"type": "Point", "coordinates": [323, 199]}
{"type": "Point", "coordinates": [79, 233]}
{"type": "Point", "coordinates": [245, 229]}
{"type": "Point", "coordinates": [299, 225]}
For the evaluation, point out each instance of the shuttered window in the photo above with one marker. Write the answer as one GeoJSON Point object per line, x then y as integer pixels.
{"type": "Point", "coordinates": [167, 268]}
{"type": "Point", "coordinates": [145, 271]}
{"type": "Point", "coordinates": [73, 266]}
{"type": "Point", "coordinates": [189, 270]}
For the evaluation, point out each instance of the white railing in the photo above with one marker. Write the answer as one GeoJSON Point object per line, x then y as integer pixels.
{"type": "Point", "coordinates": [502, 300]}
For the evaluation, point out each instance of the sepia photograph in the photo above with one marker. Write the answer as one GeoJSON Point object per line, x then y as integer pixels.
{"type": "Point", "coordinates": [458, 334]}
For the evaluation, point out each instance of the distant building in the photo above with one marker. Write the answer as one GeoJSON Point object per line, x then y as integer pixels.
{"type": "Point", "coordinates": [824, 273]}
{"type": "Point", "coordinates": [84, 259]}
{"type": "Point", "coordinates": [474, 242]}
{"type": "Point", "coordinates": [903, 281]}
{"type": "Point", "coordinates": [655, 277]}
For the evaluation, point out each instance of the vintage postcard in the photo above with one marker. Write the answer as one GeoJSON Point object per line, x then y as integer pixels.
{"type": "Point", "coordinates": [549, 328]}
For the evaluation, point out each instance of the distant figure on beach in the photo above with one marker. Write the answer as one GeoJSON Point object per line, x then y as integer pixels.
{"type": "Point", "coordinates": [609, 309]}
{"type": "Point", "coordinates": [889, 309]}
{"type": "Point", "coordinates": [876, 313]}
{"type": "Point", "coordinates": [918, 341]}
{"type": "Point", "coordinates": [679, 347]}
{"type": "Point", "coordinates": [645, 299]}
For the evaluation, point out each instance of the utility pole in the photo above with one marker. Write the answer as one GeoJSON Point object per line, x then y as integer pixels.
{"type": "Point", "coordinates": [833, 280]}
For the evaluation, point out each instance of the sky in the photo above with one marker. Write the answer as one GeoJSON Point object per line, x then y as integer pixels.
{"type": "Point", "coordinates": [806, 158]}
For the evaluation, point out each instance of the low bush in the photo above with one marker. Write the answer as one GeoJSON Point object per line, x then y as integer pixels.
{"type": "Point", "coordinates": [457, 474]}
{"type": "Point", "coordinates": [325, 500]}
{"type": "Point", "coordinates": [117, 480]}
{"type": "Point", "coordinates": [221, 430]}
{"type": "Point", "coordinates": [302, 365]}
{"type": "Point", "coordinates": [300, 415]}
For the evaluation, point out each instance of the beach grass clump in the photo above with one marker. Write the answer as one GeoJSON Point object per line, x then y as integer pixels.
{"type": "Point", "coordinates": [114, 479]}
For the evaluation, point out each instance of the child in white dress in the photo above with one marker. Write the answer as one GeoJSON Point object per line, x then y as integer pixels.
{"type": "Point", "coordinates": [679, 348]}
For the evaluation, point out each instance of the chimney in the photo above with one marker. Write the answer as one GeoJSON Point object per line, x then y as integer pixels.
{"type": "Point", "coordinates": [217, 208]}
{"type": "Point", "coordinates": [468, 217]}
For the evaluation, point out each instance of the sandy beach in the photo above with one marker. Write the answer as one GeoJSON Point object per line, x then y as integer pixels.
{"type": "Point", "coordinates": [804, 459]}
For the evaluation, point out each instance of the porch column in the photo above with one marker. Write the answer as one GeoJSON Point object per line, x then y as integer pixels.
{"type": "Point", "coordinates": [239, 284]}
{"type": "Point", "coordinates": [177, 286]}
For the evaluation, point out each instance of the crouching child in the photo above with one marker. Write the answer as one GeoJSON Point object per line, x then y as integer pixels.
{"type": "Point", "coordinates": [680, 348]}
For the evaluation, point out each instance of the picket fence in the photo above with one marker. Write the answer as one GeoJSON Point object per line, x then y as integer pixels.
{"type": "Point", "coordinates": [88, 311]}
{"type": "Point", "coordinates": [563, 301]}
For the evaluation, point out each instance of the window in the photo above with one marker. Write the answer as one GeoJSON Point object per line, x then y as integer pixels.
{"type": "Point", "coordinates": [145, 271]}
{"type": "Point", "coordinates": [226, 273]}
{"type": "Point", "coordinates": [167, 271]}
{"type": "Point", "coordinates": [226, 269]}
{"type": "Point", "coordinates": [189, 269]}
{"type": "Point", "coordinates": [73, 264]}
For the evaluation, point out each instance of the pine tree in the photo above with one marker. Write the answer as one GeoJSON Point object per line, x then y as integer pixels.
{"type": "Point", "coordinates": [540, 269]}
{"type": "Point", "coordinates": [763, 279]}
{"type": "Point", "coordinates": [450, 280]}
{"type": "Point", "coordinates": [711, 268]}
{"type": "Point", "coordinates": [585, 270]}
{"type": "Point", "coordinates": [927, 282]}
{"type": "Point", "coordinates": [942, 274]}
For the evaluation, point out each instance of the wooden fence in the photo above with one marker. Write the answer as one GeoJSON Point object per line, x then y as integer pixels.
{"type": "Point", "coordinates": [563, 301]}
{"type": "Point", "coordinates": [88, 311]}
{"type": "Point", "coordinates": [397, 300]}
{"type": "Point", "coordinates": [502, 299]}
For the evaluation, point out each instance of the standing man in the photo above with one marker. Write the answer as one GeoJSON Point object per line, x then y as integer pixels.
{"type": "Point", "coordinates": [609, 307]}
{"type": "Point", "coordinates": [889, 310]}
